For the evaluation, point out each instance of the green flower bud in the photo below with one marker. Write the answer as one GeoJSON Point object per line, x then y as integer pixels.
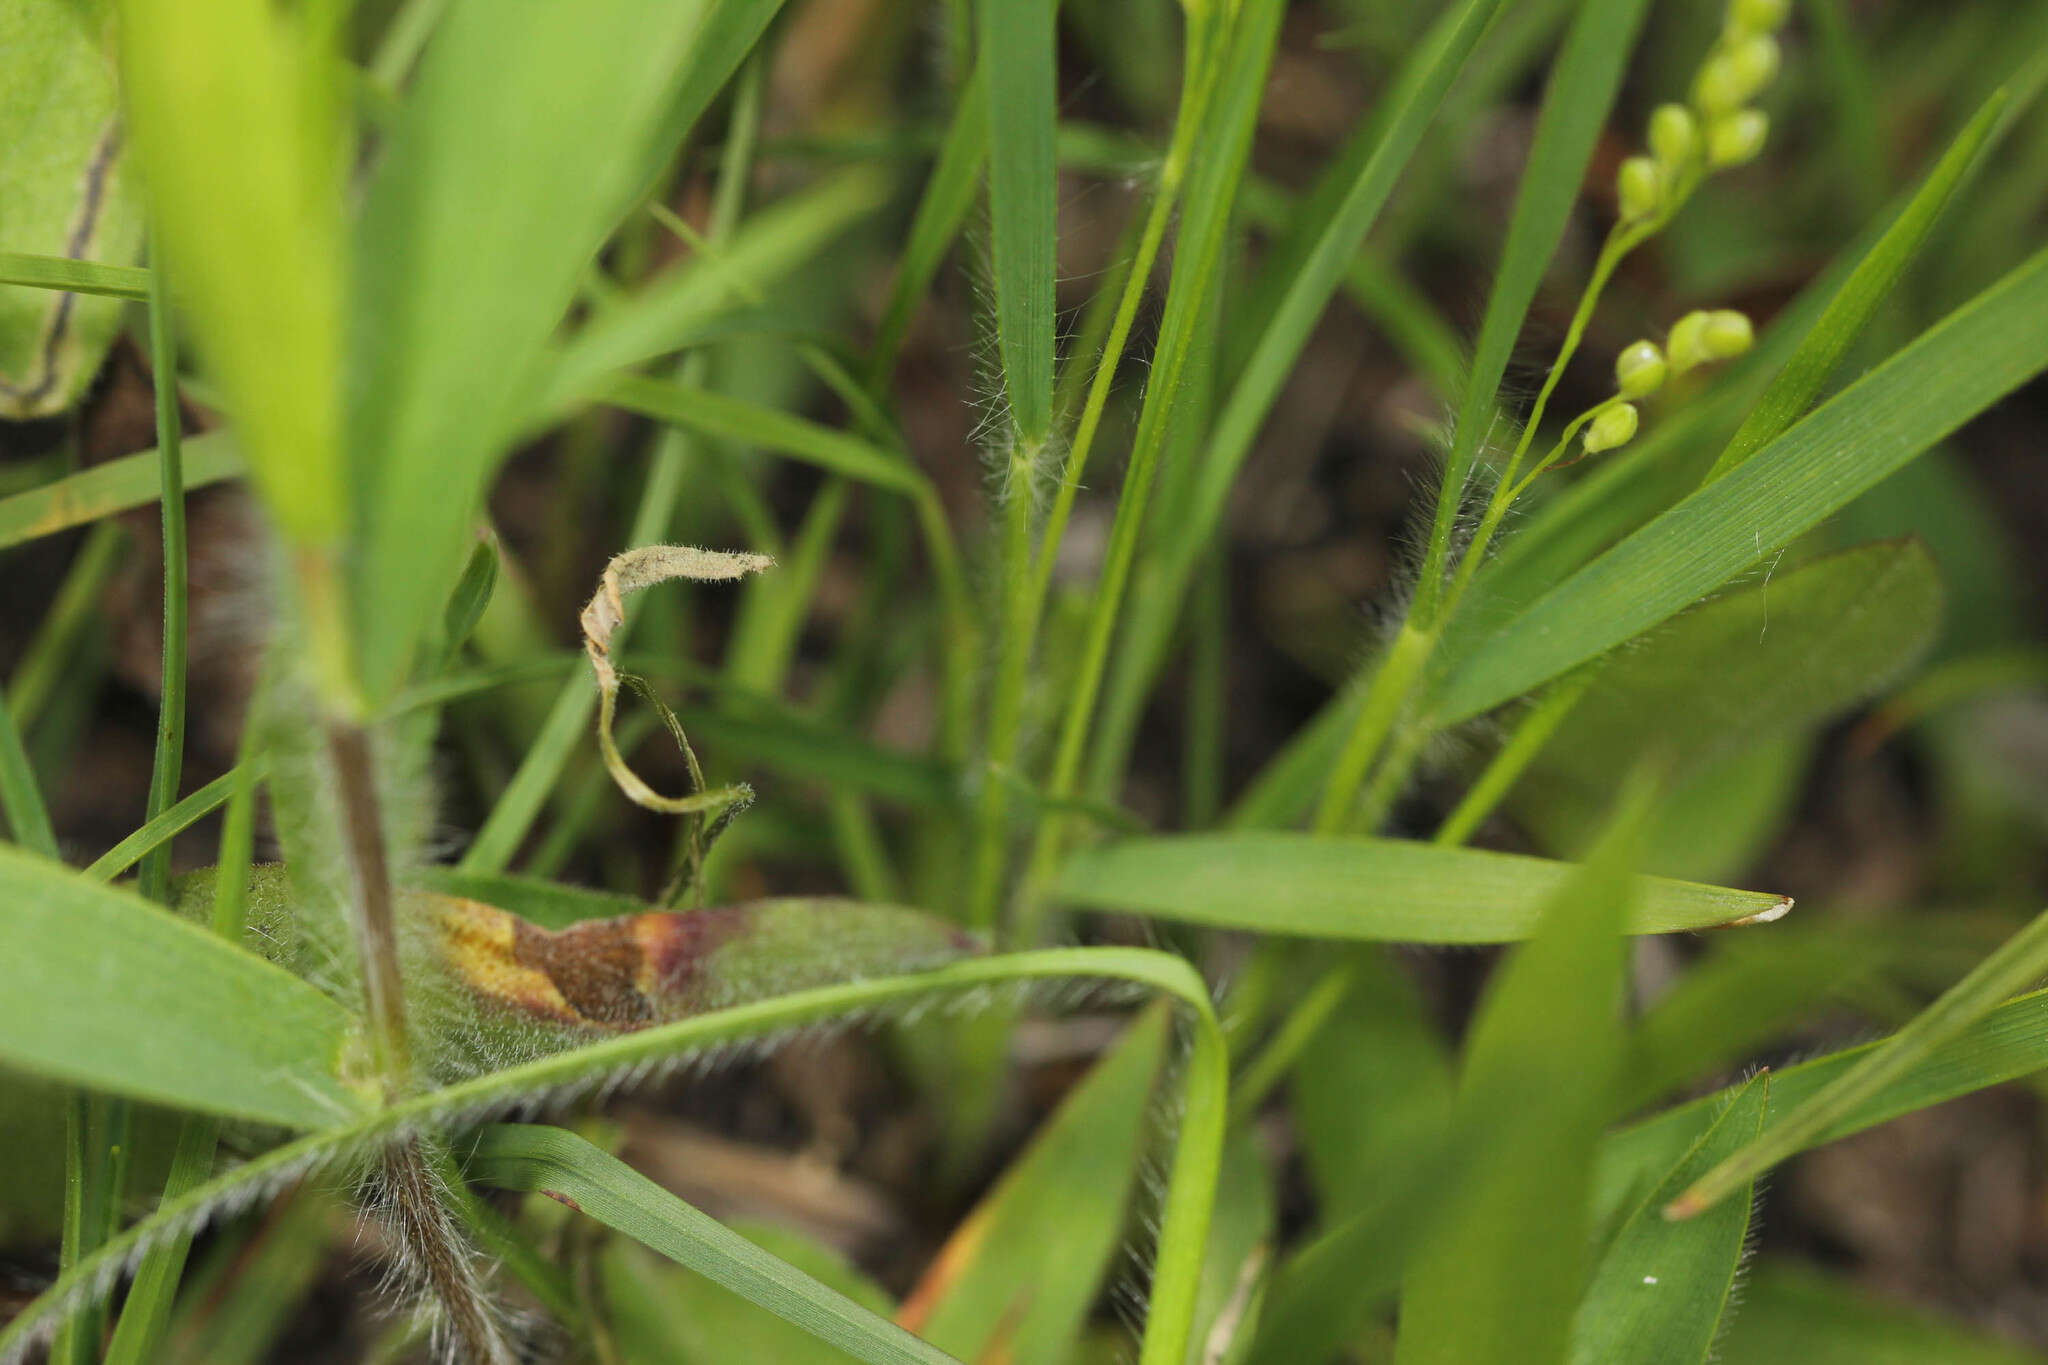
{"type": "Point", "coordinates": [1757, 16]}
{"type": "Point", "coordinates": [1640, 187]}
{"type": "Point", "coordinates": [1614, 427]}
{"type": "Point", "coordinates": [1735, 73]}
{"type": "Point", "coordinates": [1674, 136]}
{"type": "Point", "coordinates": [1639, 370]}
{"type": "Point", "coordinates": [1727, 334]}
{"type": "Point", "coordinates": [1736, 138]}
{"type": "Point", "coordinates": [1686, 346]}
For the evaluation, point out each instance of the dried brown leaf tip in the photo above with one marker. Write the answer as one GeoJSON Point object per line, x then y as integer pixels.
{"type": "Point", "coordinates": [601, 619]}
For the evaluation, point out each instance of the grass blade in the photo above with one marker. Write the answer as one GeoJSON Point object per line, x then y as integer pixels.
{"type": "Point", "coordinates": [477, 228]}
{"type": "Point", "coordinates": [1576, 100]}
{"type": "Point", "coordinates": [96, 987]}
{"type": "Point", "coordinates": [1662, 1290]}
{"type": "Point", "coordinates": [2019, 962]}
{"type": "Point", "coordinates": [531, 1157]}
{"type": "Point", "coordinates": [1020, 85]}
{"type": "Point", "coordinates": [116, 486]}
{"type": "Point", "coordinates": [77, 277]}
{"type": "Point", "coordinates": [1792, 1313]}
{"type": "Point", "coordinates": [1975, 356]}
{"type": "Point", "coordinates": [1363, 888]}
{"type": "Point", "coordinates": [1495, 1277]}
{"type": "Point", "coordinates": [1017, 1276]}
{"type": "Point", "coordinates": [1857, 300]}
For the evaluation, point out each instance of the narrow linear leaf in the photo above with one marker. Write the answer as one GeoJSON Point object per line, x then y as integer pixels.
{"type": "Point", "coordinates": [77, 277]}
{"type": "Point", "coordinates": [2019, 962]}
{"type": "Point", "coordinates": [1975, 356]}
{"type": "Point", "coordinates": [948, 195]}
{"type": "Point", "coordinates": [1362, 888]}
{"type": "Point", "coordinates": [1019, 1273]}
{"type": "Point", "coordinates": [531, 1157]}
{"type": "Point", "coordinates": [1576, 101]}
{"type": "Point", "coordinates": [116, 486]}
{"type": "Point", "coordinates": [1020, 86]}
{"type": "Point", "coordinates": [1857, 300]}
{"type": "Point", "coordinates": [486, 207]}
{"type": "Point", "coordinates": [1662, 1289]}
{"type": "Point", "coordinates": [1791, 1312]}
{"type": "Point", "coordinates": [97, 987]}
{"type": "Point", "coordinates": [716, 415]}
{"type": "Point", "coordinates": [1494, 1278]}
{"type": "Point", "coordinates": [768, 247]}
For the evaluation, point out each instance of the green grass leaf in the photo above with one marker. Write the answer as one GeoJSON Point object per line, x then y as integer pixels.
{"type": "Point", "coordinates": [1494, 1279]}
{"type": "Point", "coordinates": [948, 195]}
{"type": "Point", "coordinates": [1662, 1288]}
{"type": "Point", "coordinates": [1850, 310]}
{"type": "Point", "coordinates": [684, 301]}
{"type": "Point", "coordinates": [1019, 1273]}
{"type": "Point", "coordinates": [237, 112]}
{"type": "Point", "coordinates": [116, 486]}
{"type": "Point", "coordinates": [1576, 99]}
{"type": "Point", "coordinates": [1020, 84]}
{"type": "Point", "coordinates": [1316, 257]}
{"type": "Point", "coordinates": [102, 989]}
{"type": "Point", "coordinates": [1756, 666]}
{"type": "Point", "coordinates": [1791, 1312]}
{"type": "Point", "coordinates": [2019, 962]}
{"type": "Point", "coordinates": [1364, 888]}
{"type": "Point", "coordinates": [77, 277]}
{"type": "Point", "coordinates": [491, 197]}
{"type": "Point", "coordinates": [531, 1157]}
{"type": "Point", "coordinates": [1948, 375]}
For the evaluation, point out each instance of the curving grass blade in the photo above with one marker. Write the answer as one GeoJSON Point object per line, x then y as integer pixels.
{"type": "Point", "coordinates": [531, 1157]}
{"type": "Point", "coordinates": [1361, 888]}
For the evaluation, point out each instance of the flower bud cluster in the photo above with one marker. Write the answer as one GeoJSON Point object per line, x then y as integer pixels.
{"type": "Point", "coordinates": [1696, 339]}
{"type": "Point", "coordinates": [1720, 129]}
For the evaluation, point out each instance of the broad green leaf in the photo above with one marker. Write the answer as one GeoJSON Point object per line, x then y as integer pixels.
{"type": "Point", "coordinates": [1793, 1313]}
{"type": "Point", "coordinates": [1662, 1288]}
{"type": "Point", "coordinates": [1494, 1278]}
{"type": "Point", "coordinates": [1580, 91]}
{"type": "Point", "coordinates": [103, 989]}
{"type": "Point", "coordinates": [682, 301]}
{"type": "Point", "coordinates": [64, 192]}
{"type": "Point", "coordinates": [1948, 375]}
{"type": "Point", "coordinates": [2018, 963]}
{"type": "Point", "coordinates": [237, 111]}
{"type": "Point", "coordinates": [493, 192]}
{"type": "Point", "coordinates": [1018, 1275]}
{"type": "Point", "coordinates": [1380, 1043]}
{"type": "Point", "coordinates": [664, 1315]}
{"type": "Point", "coordinates": [116, 486]}
{"type": "Point", "coordinates": [1754, 668]}
{"type": "Point", "coordinates": [1362, 888]}
{"type": "Point", "coordinates": [593, 1182]}
{"type": "Point", "coordinates": [1852, 306]}
{"type": "Point", "coordinates": [1019, 82]}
